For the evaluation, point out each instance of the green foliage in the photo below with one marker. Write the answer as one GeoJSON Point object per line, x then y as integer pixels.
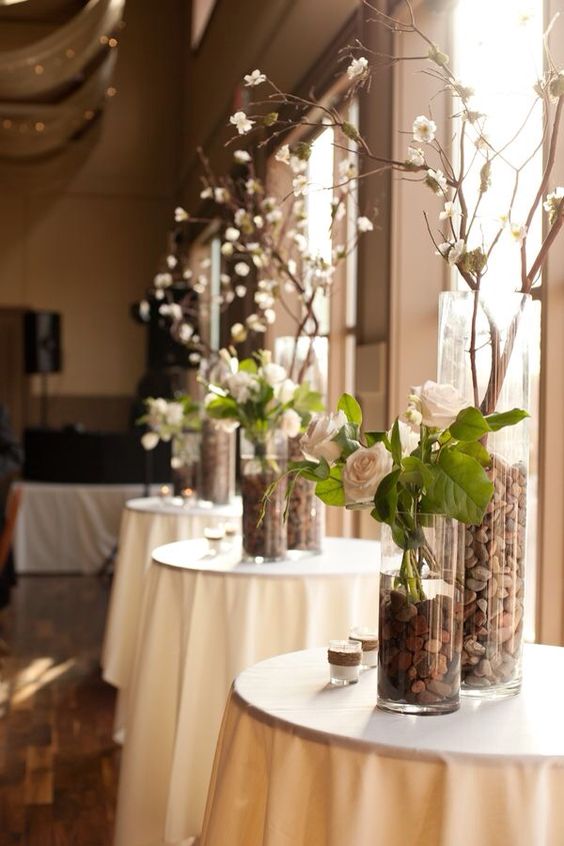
{"type": "Point", "coordinates": [330, 490]}
{"type": "Point", "coordinates": [351, 409]}
{"type": "Point", "coordinates": [460, 488]}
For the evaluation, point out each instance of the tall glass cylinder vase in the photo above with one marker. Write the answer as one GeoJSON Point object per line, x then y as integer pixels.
{"type": "Point", "coordinates": [263, 459]}
{"type": "Point", "coordinates": [216, 481]}
{"type": "Point", "coordinates": [421, 619]}
{"type": "Point", "coordinates": [484, 353]}
{"type": "Point", "coordinates": [185, 454]}
{"type": "Point", "coordinates": [305, 360]}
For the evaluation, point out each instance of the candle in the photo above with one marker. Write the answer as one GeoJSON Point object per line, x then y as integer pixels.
{"type": "Point", "coordinates": [344, 658]}
{"type": "Point", "coordinates": [368, 639]}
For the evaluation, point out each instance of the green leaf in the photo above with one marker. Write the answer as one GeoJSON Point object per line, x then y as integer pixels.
{"type": "Point", "coordinates": [416, 472]}
{"type": "Point", "coordinates": [330, 491]}
{"type": "Point", "coordinates": [476, 450]}
{"type": "Point", "coordinates": [222, 407]}
{"type": "Point", "coordinates": [470, 425]}
{"type": "Point", "coordinates": [306, 401]}
{"type": "Point", "coordinates": [351, 409]}
{"type": "Point", "coordinates": [506, 418]}
{"type": "Point", "coordinates": [347, 439]}
{"type": "Point", "coordinates": [372, 438]}
{"type": "Point", "coordinates": [248, 365]}
{"type": "Point", "coordinates": [396, 444]}
{"type": "Point", "coordinates": [386, 498]}
{"type": "Point", "coordinates": [460, 489]}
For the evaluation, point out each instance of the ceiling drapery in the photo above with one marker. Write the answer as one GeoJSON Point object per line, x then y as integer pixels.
{"type": "Point", "coordinates": [53, 88]}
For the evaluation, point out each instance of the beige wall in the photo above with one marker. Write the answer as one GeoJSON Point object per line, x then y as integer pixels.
{"type": "Point", "coordinates": [82, 233]}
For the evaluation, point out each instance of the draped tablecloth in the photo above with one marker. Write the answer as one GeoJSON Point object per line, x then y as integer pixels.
{"type": "Point", "coordinates": [68, 528]}
{"type": "Point", "coordinates": [301, 764]}
{"type": "Point", "coordinates": [147, 523]}
{"type": "Point", "coordinates": [203, 621]}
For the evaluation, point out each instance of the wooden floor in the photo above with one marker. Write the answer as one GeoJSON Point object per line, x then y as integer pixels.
{"type": "Point", "coordinates": [58, 763]}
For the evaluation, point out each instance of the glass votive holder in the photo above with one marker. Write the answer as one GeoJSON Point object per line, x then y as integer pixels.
{"type": "Point", "coordinates": [344, 662]}
{"type": "Point", "coordinates": [368, 639]}
{"type": "Point", "coordinates": [214, 536]}
{"type": "Point", "coordinates": [231, 530]}
{"type": "Point", "coordinates": [164, 491]}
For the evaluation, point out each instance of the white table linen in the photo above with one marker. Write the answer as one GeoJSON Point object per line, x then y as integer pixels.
{"type": "Point", "coordinates": [203, 621]}
{"type": "Point", "coordinates": [67, 528]}
{"type": "Point", "coordinates": [299, 763]}
{"type": "Point", "coordinates": [146, 523]}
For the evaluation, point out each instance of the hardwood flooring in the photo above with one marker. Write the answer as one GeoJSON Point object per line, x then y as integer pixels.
{"type": "Point", "coordinates": [58, 762]}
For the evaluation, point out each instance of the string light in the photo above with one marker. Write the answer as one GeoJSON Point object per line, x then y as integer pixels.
{"type": "Point", "coordinates": [104, 39]}
{"type": "Point", "coordinates": [39, 126]}
{"type": "Point", "coordinates": [113, 42]}
{"type": "Point", "coordinates": [111, 91]}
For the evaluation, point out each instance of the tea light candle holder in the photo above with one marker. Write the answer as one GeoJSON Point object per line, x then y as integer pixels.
{"type": "Point", "coordinates": [164, 491]}
{"type": "Point", "coordinates": [368, 639]}
{"type": "Point", "coordinates": [344, 658]}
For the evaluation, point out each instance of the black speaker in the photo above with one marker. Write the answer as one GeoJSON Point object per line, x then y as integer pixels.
{"type": "Point", "coordinates": [42, 339]}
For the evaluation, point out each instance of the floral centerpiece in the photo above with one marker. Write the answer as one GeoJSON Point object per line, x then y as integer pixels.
{"type": "Point", "coordinates": [176, 421]}
{"type": "Point", "coordinates": [257, 395]}
{"type": "Point", "coordinates": [422, 480]}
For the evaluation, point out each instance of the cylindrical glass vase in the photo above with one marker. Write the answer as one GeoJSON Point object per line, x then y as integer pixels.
{"type": "Point", "coordinates": [495, 550]}
{"type": "Point", "coordinates": [185, 454]}
{"type": "Point", "coordinates": [216, 481]}
{"type": "Point", "coordinates": [263, 460]}
{"type": "Point", "coordinates": [421, 619]}
{"type": "Point", "coordinates": [305, 360]}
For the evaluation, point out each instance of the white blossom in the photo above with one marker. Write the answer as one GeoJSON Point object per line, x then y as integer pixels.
{"type": "Point", "coordinates": [284, 391]}
{"type": "Point", "coordinates": [424, 129]}
{"type": "Point", "coordinates": [172, 310]}
{"type": "Point", "coordinates": [241, 290]}
{"type": "Point", "coordinates": [298, 165]}
{"type": "Point", "coordinates": [290, 423]}
{"type": "Point", "coordinates": [171, 262]}
{"type": "Point", "coordinates": [187, 273]}
{"type": "Point", "coordinates": [206, 193]}
{"type": "Point", "coordinates": [348, 169]}
{"type": "Point", "coordinates": [185, 332]}
{"type": "Point", "coordinates": [144, 310]}
{"type": "Point", "coordinates": [518, 232]}
{"type": "Point", "coordinates": [242, 156]}
{"type": "Point", "coordinates": [162, 280]}
{"type": "Point", "coordinates": [437, 181]}
{"type": "Point", "coordinates": [242, 269]}
{"type": "Point", "coordinates": [180, 214]}
{"type": "Point", "coordinates": [227, 248]}
{"type": "Point", "coordinates": [254, 78]}
{"type": "Point", "coordinates": [358, 68]}
{"type": "Point", "coordinates": [449, 211]}
{"type": "Point", "coordinates": [456, 252]}
{"type": "Point", "coordinates": [220, 195]}
{"type": "Point", "coordinates": [415, 156]}
{"type": "Point", "coordinates": [258, 220]}
{"type": "Point", "coordinates": [364, 224]}
{"type": "Point", "coordinates": [149, 440]}
{"type": "Point", "coordinates": [242, 122]}
{"type": "Point", "coordinates": [443, 249]}
{"type": "Point", "coordinates": [255, 324]}
{"type": "Point", "coordinates": [274, 216]}
{"type": "Point", "coordinates": [273, 374]}
{"type": "Point", "coordinates": [269, 315]}
{"type": "Point", "coordinates": [283, 154]}
{"type": "Point", "coordinates": [238, 333]}
{"type": "Point", "coordinates": [253, 186]}
{"type": "Point", "coordinates": [231, 234]}
{"type": "Point", "coordinates": [299, 185]}
{"type": "Point", "coordinates": [242, 385]}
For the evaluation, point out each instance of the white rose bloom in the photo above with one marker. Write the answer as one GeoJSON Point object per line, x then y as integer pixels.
{"type": "Point", "coordinates": [364, 224]}
{"type": "Point", "coordinates": [284, 391]}
{"type": "Point", "coordinates": [409, 439]}
{"type": "Point", "coordinates": [439, 404]}
{"type": "Point", "coordinates": [254, 78]}
{"type": "Point", "coordinates": [317, 442]}
{"type": "Point", "coordinates": [241, 156]}
{"type": "Point", "coordinates": [174, 413]}
{"type": "Point", "coordinates": [291, 423]}
{"type": "Point", "coordinates": [242, 122]}
{"type": "Point", "coordinates": [364, 470]}
{"type": "Point", "coordinates": [241, 386]}
{"type": "Point", "coordinates": [273, 374]}
{"type": "Point", "coordinates": [415, 156]}
{"type": "Point", "coordinates": [357, 68]}
{"type": "Point", "coordinates": [149, 440]}
{"type": "Point", "coordinates": [283, 154]}
{"type": "Point", "coordinates": [424, 129]}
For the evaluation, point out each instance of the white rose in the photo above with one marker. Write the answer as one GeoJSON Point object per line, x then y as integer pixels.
{"type": "Point", "coordinates": [318, 440]}
{"type": "Point", "coordinates": [439, 404]}
{"type": "Point", "coordinates": [291, 423]}
{"type": "Point", "coordinates": [149, 440]}
{"type": "Point", "coordinates": [273, 373]}
{"type": "Point", "coordinates": [364, 470]}
{"type": "Point", "coordinates": [284, 391]}
{"type": "Point", "coordinates": [241, 386]}
{"type": "Point", "coordinates": [409, 439]}
{"type": "Point", "coordinates": [174, 413]}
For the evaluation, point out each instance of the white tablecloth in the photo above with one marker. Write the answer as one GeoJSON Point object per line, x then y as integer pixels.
{"type": "Point", "coordinates": [146, 524]}
{"type": "Point", "coordinates": [68, 528]}
{"type": "Point", "coordinates": [299, 763]}
{"type": "Point", "coordinates": [203, 621]}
